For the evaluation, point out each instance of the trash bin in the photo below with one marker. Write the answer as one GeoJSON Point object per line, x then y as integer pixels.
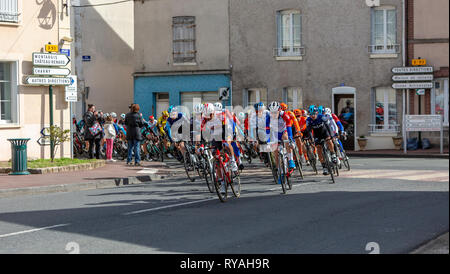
{"type": "Point", "coordinates": [19, 156]}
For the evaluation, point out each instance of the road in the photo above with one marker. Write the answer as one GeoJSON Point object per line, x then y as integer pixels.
{"type": "Point", "coordinates": [394, 204]}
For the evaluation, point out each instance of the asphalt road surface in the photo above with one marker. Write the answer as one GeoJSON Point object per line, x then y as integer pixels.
{"type": "Point", "coordinates": [382, 205]}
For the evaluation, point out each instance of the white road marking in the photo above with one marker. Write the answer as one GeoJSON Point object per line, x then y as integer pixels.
{"type": "Point", "coordinates": [148, 171]}
{"type": "Point", "coordinates": [31, 230]}
{"type": "Point", "coordinates": [168, 206]}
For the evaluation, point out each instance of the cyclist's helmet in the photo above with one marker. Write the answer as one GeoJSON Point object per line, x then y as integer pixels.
{"type": "Point", "coordinates": [259, 106]}
{"type": "Point", "coordinates": [327, 111]}
{"type": "Point", "coordinates": [198, 109]}
{"type": "Point", "coordinates": [315, 111]}
{"type": "Point", "coordinates": [122, 115]}
{"type": "Point", "coordinates": [311, 108]}
{"type": "Point", "coordinates": [218, 106]}
{"type": "Point", "coordinates": [274, 107]}
{"type": "Point", "coordinates": [304, 112]}
{"type": "Point", "coordinates": [283, 106]}
{"type": "Point", "coordinates": [242, 115]}
{"type": "Point", "coordinates": [174, 113]}
{"type": "Point", "coordinates": [297, 112]}
{"type": "Point", "coordinates": [170, 109]}
{"type": "Point", "coordinates": [209, 109]}
{"type": "Point", "coordinates": [113, 114]}
{"type": "Point", "coordinates": [165, 113]}
{"type": "Point", "coordinates": [151, 117]}
{"type": "Point", "coordinates": [321, 109]}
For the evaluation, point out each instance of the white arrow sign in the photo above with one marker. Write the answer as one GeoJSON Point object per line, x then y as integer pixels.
{"type": "Point", "coordinates": [412, 85]}
{"type": "Point", "coordinates": [50, 59]}
{"type": "Point", "coordinates": [47, 81]}
{"type": "Point", "coordinates": [51, 71]}
{"type": "Point", "coordinates": [412, 70]}
{"type": "Point", "coordinates": [421, 77]}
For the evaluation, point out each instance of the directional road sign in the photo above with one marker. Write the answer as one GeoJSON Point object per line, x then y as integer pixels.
{"type": "Point", "coordinates": [51, 71]}
{"type": "Point", "coordinates": [50, 59]}
{"type": "Point", "coordinates": [48, 81]}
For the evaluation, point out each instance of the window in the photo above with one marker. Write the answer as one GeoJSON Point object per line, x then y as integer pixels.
{"type": "Point", "coordinates": [255, 95]}
{"type": "Point", "coordinates": [293, 97]}
{"type": "Point", "coordinates": [289, 33]}
{"type": "Point", "coordinates": [440, 99]}
{"type": "Point", "coordinates": [384, 31]}
{"type": "Point", "coordinates": [5, 92]}
{"type": "Point", "coordinates": [189, 99]}
{"type": "Point", "coordinates": [385, 109]}
{"type": "Point", "coordinates": [9, 11]}
{"type": "Point", "coordinates": [184, 40]}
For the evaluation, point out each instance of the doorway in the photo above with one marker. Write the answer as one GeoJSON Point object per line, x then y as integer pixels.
{"type": "Point", "coordinates": [162, 103]}
{"type": "Point", "coordinates": [344, 106]}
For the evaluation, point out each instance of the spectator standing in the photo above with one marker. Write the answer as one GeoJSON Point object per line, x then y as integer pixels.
{"type": "Point", "coordinates": [110, 134]}
{"type": "Point", "coordinates": [134, 123]}
{"type": "Point", "coordinates": [93, 131]}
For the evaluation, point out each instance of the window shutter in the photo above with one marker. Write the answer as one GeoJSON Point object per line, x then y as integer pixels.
{"type": "Point", "coordinates": [245, 97]}
{"type": "Point", "coordinates": [279, 32]}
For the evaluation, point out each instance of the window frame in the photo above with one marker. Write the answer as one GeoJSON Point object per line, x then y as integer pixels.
{"type": "Point", "coordinates": [294, 51]}
{"type": "Point", "coordinates": [14, 98]}
{"type": "Point", "coordinates": [14, 12]}
{"type": "Point", "coordinates": [385, 48]}
{"type": "Point", "coordinates": [185, 24]}
{"type": "Point", "coordinates": [297, 93]}
{"type": "Point", "coordinates": [444, 86]}
{"type": "Point", "coordinates": [386, 127]}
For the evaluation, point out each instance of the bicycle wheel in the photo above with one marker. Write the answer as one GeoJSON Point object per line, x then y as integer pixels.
{"type": "Point", "coordinates": [312, 160]}
{"type": "Point", "coordinates": [272, 167]}
{"type": "Point", "coordinates": [236, 184]}
{"type": "Point", "coordinates": [189, 167]}
{"type": "Point", "coordinates": [281, 173]}
{"type": "Point", "coordinates": [217, 185]}
{"type": "Point", "coordinates": [287, 178]}
{"type": "Point", "coordinates": [328, 163]}
{"type": "Point", "coordinates": [298, 163]}
{"type": "Point", "coordinates": [208, 175]}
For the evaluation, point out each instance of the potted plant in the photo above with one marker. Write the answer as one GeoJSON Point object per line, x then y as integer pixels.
{"type": "Point", "coordinates": [362, 142]}
{"type": "Point", "coordinates": [397, 142]}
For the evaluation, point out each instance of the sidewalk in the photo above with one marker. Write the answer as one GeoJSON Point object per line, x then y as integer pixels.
{"type": "Point", "coordinates": [111, 175]}
{"type": "Point", "coordinates": [386, 153]}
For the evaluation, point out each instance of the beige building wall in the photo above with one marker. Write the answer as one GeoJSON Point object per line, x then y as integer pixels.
{"type": "Point", "coordinates": [38, 24]}
{"type": "Point", "coordinates": [154, 40]}
{"type": "Point", "coordinates": [107, 35]}
{"type": "Point", "coordinates": [431, 19]}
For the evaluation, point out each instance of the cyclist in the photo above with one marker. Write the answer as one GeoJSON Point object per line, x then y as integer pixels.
{"type": "Point", "coordinates": [318, 123]}
{"type": "Point", "coordinates": [161, 124]}
{"type": "Point", "coordinates": [259, 128]}
{"type": "Point", "coordinates": [295, 128]}
{"type": "Point", "coordinates": [338, 130]}
{"type": "Point", "coordinates": [280, 121]}
{"type": "Point", "coordinates": [174, 117]}
{"type": "Point", "coordinates": [301, 118]}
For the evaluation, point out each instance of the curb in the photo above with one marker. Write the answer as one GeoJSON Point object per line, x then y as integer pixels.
{"type": "Point", "coordinates": [369, 155]}
{"type": "Point", "coordinates": [46, 170]}
{"type": "Point", "coordinates": [106, 183]}
{"type": "Point", "coordinates": [438, 245]}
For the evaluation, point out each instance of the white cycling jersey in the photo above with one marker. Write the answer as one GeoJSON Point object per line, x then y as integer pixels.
{"type": "Point", "coordinates": [332, 124]}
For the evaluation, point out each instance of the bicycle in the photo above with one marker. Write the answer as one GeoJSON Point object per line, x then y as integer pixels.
{"type": "Point", "coordinates": [222, 165]}
{"type": "Point", "coordinates": [310, 152]}
{"type": "Point", "coordinates": [327, 158]}
{"type": "Point", "coordinates": [341, 152]}
{"type": "Point", "coordinates": [191, 162]}
{"type": "Point", "coordinates": [297, 159]}
{"type": "Point", "coordinates": [282, 169]}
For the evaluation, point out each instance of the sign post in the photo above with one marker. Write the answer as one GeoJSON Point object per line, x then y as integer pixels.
{"type": "Point", "coordinates": [422, 123]}
{"type": "Point", "coordinates": [49, 64]}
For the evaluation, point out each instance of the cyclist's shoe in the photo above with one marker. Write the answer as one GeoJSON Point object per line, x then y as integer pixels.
{"type": "Point", "coordinates": [241, 166]}
{"type": "Point", "coordinates": [291, 164]}
{"type": "Point", "coordinates": [234, 166]}
{"type": "Point", "coordinates": [334, 159]}
{"type": "Point", "coordinates": [325, 171]}
{"type": "Point", "coordinates": [169, 156]}
{"type": "Point", "coordinates": [222, 187]}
